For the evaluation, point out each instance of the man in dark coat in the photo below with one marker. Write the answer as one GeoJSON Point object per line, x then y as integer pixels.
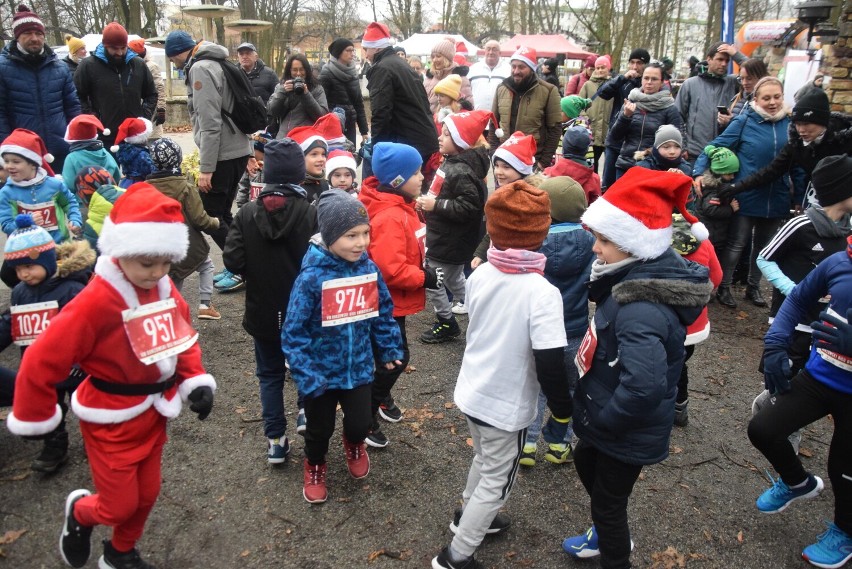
{"type": "Point", "coordinates": [262, 78]}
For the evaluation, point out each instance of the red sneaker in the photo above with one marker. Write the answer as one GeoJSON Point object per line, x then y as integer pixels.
{"type": "Point", "coordinates": [356, 459]}
{"type": "Point", "coordinates": [315, 491]}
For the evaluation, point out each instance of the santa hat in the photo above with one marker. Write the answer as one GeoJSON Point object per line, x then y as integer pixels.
{"type": "Point", "coordinates": [527, 55]}
{"type": "Point", "coordinates": [635, 213]}
{"type": "Point", "coordinates": [28, 144]}
{"type": "Point", "coordinates": [144, 223]}
{"type": "Point", "coordinates": [330, 128]}
{"type": "Point", "coordinates": [466, 127]}
{"type": "Point", "coordinates": [376, 35]}
{"type": "Point", "coordinates": [308, 138]}
{"type": "Point", "coordinates": [340, 159]}
{"type": "Point", "coordinates": [460, 59]}
{"type": "Point", "coordinates": [519, 152]}
{"type": "Point", "coordinates": [25, 20]}
{"type": "Point", "coordinates": [461, 48]}
{"type": "Point", "coordinates": [84, 127]}
{"type": "Point", "coordinates": [133, 131]}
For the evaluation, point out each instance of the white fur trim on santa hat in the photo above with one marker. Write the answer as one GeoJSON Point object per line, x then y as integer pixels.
{"type": "Point", "coordinates": [513, 161]}
{"type": "Point", "coordinates": [305, 144]}
{"type": "Point", "coordinates": [454, 133]}
{"type": "Point", "coordinates": [142, 137]}
{"type": "Point", "coordinates": [627, 232]}
{"type": "Point", "coordinates": [33, 428]}
{"type": "Point", "coordinates": [22, 151]}
{"type": "Point", "coordinates": [188, 385]}
{"type": "Point", "coordinates": [522, 54]}
{"type": "Point", "coordinates": [341, 160]}
{"type": "Point", "coordinates": [379, 43]}
{"type": "Point", "coordinates": [140, 239]}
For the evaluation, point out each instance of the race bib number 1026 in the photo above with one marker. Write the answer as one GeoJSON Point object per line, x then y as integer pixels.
{"type": "Point", "coordinates": [350, 299]}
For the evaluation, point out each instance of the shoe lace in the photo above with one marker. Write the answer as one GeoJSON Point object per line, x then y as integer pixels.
{"type": "Point", "coordinates": [317, 474]}
{"type": "Point", "coordinates": [779, 489]}
{"type": "Point", "coordinates": [833, 537]}
{"type": "Point", "coordinates": [353, 451]}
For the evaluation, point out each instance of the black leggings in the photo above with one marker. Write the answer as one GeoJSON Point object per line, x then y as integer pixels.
{"type": "Point", "coordinates": [321, 412]}
{"type": "Point", "coordinates": [384, 379]}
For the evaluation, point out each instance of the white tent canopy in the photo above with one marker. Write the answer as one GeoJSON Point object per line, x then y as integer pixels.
{"type": "Point", "coordinates": [421, 44]}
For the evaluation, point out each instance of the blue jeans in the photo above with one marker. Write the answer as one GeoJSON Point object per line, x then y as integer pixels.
{"type": "Point", "coordinates": [270, 372]}
{"type": "Point", "coordinates": [534, 430]}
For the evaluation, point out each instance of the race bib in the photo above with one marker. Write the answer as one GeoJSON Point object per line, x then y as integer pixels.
{"type": "Point", "coordinates": [586, 353]}
{"type": "Point", "coordinates": [30, 320]}
{"type": "Point", "coordinates": [835, 359]}
{"type": "Point", "coordinates": [49, 222]}
{"type": "Point", "coordinates": [157, 331]}
{"type": "Point", "coordinates": [254, 190]}
{"type": "Point", "coordinates": [420, 235]}
{"type": "Point", "coordinates": [350, 299]}
{"type": "Point", "coordinates": [437, 183]}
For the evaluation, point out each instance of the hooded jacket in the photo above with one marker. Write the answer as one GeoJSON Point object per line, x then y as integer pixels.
{"type": "Point", "coordinates": [568, 248]}
{"type": "Point", "coordinates": [83, 158]}
{"type": "Point", "coordinates": [599, 112]}
{"type": "Point", "coordinates": [624, 404]}
{"type": "Point", "coordinates": [263, 79]}
{"type": "Point", "coordinates": [266, 246]}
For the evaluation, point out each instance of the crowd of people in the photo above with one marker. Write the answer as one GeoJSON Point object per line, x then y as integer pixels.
{"type": "Point", "coordinates": [332, 265]}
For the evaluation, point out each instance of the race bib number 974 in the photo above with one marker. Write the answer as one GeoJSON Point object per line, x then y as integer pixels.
{"type": "Point", "coordinates": [350, 299]}
{"type": "Point", "coordinates": [157, 331]}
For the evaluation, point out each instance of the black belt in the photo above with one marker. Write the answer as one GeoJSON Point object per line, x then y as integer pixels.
{"type": "Point", "coordinates": [131, 388]}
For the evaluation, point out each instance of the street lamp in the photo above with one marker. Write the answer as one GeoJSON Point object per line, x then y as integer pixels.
{"type": "Point", "coordinates": [814, 12]}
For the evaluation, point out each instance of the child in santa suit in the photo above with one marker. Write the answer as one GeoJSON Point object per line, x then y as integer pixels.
{"type": "Point", "coordinates": [129, 329]}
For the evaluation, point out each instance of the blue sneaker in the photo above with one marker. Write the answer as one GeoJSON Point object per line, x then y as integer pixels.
{"type": "Point", "coordinates": [832, 549]}
{"type": "Point", "coordinates": [301, 422]}
{"type": "Point", "coordinates": [583, 546]}
{"type": "Point", "coordinates": [220, 275]}
{"type": "Point", "coordinates": [277, 450]}
{"type": "Point", "coordinates": [230, 283]}
{"type": "Point", "coordinates": [777, 498]}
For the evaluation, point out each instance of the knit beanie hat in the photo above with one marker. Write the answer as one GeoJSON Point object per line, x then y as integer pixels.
{"type": "Point", "coordinates": [308, 138]}
{"type": "Point", "coordinates": [132, 131]}
{"type": "Point", "coordinates": [376, 36]}
{"type": "Point", "coordinates": [831, 179]}
{"type": "Point", "coordinates": [337, 213]}
{"type": "Point", "coordinates": [466, 127]}
{"type": "Point", "coordinates": [518, 152]}
{"type": "Point", "coordinates": [525, 55]}
{"type": "Point", "coordinates": [450, 86]}
{"type": "Point", "coordinates": [73, 44]}
{"type": "Point", "coordinates": [260, 139]}
{"type": "Point", "coordinates": [166, 155]}
{"type": "Point", "coordinates": [640, 53]}
{"type": "Point", "coordinates": [604, 60]}
{"type": "Point", "coordinates": [722, 160]}
{"type": "Point", "coordinates": [517, 216]}
{"type": "Point", "coordinates": [572, 105]}
{"type": "Point", "coordinates": [445, 47]}
{"type": "Point", "coordinates": [668, 133]}
{"type": "Point", "coordinates": [84, 127]}
{"type": "Point", "coordinates": [29, 145]}
{"type": "Point", "coordinates": [812, 107]}
{"type": "Point", "coordinates": [590, 61]}
{"type": "Point", "coordinates": [340, 159]}
{"type": "Point", "coordinates": [567, 199]}
{"type": "Point", "coordinates": [330, 128]}
{"type": "Point", "coordinates": [283, 162]}
{"type": "Point", "coordinates": [114, 35]}
{"type": "Point", "coordinates": [89, 179]}
{"type": "Point", "coordinates": [25, 20]}
{"type": "Point", "coordinates": [635, 213]}
{"type": "Point", "coordinates": [29, 244]}
{"type": "Point", "coordinates": [576, 141]}
{"type": "Point", "coordinates": [137, 46]}
{"type": "Point", "coordinates": [144, 222]}
{"type": "Point", "coordinates": [338, 46]}
{"type": "Point", "coordinates": [394, 163]}
{"type": "Point", "coordinates": [177, 42]}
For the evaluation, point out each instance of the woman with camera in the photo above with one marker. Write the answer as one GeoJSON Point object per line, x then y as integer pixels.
{"type": "Point", "coordinates": [298, 100]}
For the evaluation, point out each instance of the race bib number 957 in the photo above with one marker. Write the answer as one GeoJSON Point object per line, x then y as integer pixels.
{"type": "Point", "coordinates": [157, 331]}
{"type": "Point", "coordinates": [350, 299]}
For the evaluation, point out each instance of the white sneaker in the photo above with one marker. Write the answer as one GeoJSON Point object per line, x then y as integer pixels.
{"type": "Point", "coordinates": [459, 308]}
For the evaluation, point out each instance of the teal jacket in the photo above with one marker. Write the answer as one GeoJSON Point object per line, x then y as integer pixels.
{"type": "Point", "coordinates": [79, 159]}
{"type": "Point", "coordinates": [49, 190]}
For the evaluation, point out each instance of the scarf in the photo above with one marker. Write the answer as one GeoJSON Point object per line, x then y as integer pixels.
{"type": "Point", "coordinates": [650, 103]}
{"type": "Point", "coordinates": [783, 112]}
{"type": "Point", "coordinates": [665, 162]}
{"type": "Point", "coordinates": [341, 71]}
{"type": "Point", "coordinates": [824, 225]}
{"type": "Point", "coordinates": [601, 269]}
{"type": "Point", "coordinates": [41, 174]}
{"type": "Point", "coordinates": [86, 145]}
{"type": "Point", "coordinates": [314, 179]}
{"type": "Point", "coordinates": [517, 261]}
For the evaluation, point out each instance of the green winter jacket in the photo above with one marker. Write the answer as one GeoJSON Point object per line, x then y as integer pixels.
{"type": "Point", "coordinates": [600, 110]}
{"type": "Point", "coordinates": [538, 115]}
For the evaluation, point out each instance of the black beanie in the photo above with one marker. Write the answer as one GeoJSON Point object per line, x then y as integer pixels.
{"type": "Point", "coordinates": [831, 179]}
{"type": "Point", "coordinates": [283, 162]}
{"type": "Point", "coordinates": [640, 53]}
{"type": "Point", "coordinates": [338, 45]}
{"type": "Point", "coordinates": [812, 107]}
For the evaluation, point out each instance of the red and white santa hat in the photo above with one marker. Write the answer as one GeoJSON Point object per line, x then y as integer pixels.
{"type": "Point", "coordinates": [144, 222]}
{"type": "Point", "coordinates": [308, 138]}
{"type": "Point", "coordinates": [84, 127]}
{"type": "Point", "coordinates": [635, 213]}
{"type": "Point", "coordinates": [519, 152]}
{"type": "Point", "coordinates": [376, 35]}
{"type": "Point", "coordinates": [467, 126]}
{"type": "Point", "coordinates": [340, 159]}
{"type": "Point", "coordinates": [330, 128]}
{"type": "Point", "coordinates": [526, 55]}
{"type": "Point", "coordinates": [133, 131]}
{"type": "Point", "coordinates": [28, 144]}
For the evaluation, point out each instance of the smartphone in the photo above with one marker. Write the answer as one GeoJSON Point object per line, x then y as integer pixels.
{"type": "Point", "coordinates": [723, 110]}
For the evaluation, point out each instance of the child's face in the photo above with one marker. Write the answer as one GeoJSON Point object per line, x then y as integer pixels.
{"type": "Point", "coordinates": [727, 177]}
{"type": "Point", "coordinates": [19, 168]}
{"type": "Point", "coordinates": [145, 272]}
{"type": "Point", "coordinates": [341, 178]}
{"type": "Point", "coordinates": [505, 174]}
{"type": "Point", "coordinates": [315, 161]}
{"type": "Point", "coordinates": [31, 274]}
{"type": "Point", "coordinates": [445, 142]}
{"type": "Point", "coordinates": [352, 244]}
{"type": "Point", "coordinates": [670, 150]}
{"type": "Point", "coordinates": [444, 100]}
{"type": "Point", "coordinates": [606, 250]}
{"type": "Point", "coordinates": [258, 155]}
{"type": "Point", "coordinates": [412, 186]}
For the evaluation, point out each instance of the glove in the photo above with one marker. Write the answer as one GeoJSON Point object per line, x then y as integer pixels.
{"type": "Point", "coordinates": [160, 117]}
{"type": "Point", "coordinates": [202, 401]}
{"type": "Point", "coordinates": [837, 336]}
{"type": "Point", "coordinates": [554, 431]}
{"type": "Point", "coordinates": [776, 369]}
{"type": "Point", "coordinates": [433, 278]}
{"type": "Point", "coordinates": [726, 192]}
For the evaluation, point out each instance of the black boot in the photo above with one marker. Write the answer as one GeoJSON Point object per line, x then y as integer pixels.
{"type": "Point", "coordinates": [54, 454]}
{"type": "Point", "coordinates": [753, 294]}
{"type": "Point", "coordinates": [441, 331]}
{"type": "Point", "coordinates": [113, 559]}
{"type": "Point", "coordinates": [723, 295]}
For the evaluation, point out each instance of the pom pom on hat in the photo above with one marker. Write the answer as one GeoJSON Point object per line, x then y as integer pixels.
{"type": "Point", "coordinates": [144, 222]}
{"type": "Point", "coordinates": [337, 213]}
{"type": "Point", "coordinates": [394, 163]}
{"type": "Point", "coordinates": [28, 144]}
{"type": "Point", "coordinates": [517, 216]}
{"type": "Point", "coordinates": [340, 159]}
{"type": "Point", "coordinates": [526, 55]}
{"type": "Point", "coordinates": [25, 20]}
{"type": "Point", "coordinates": [450, 86]}
{"type": "Point", "coordinates": [518, 152]}
{"type": "Point", "coordinates": [466, 127]}
{"type": "Point", "coordinates": [329, 127]}
{"type": "Point", "coordinates": [29, 244]}
{"type": "Point", "coordinates": [84, 127]}
{"type": "Point", "coordinates": [308, 138]}
{"type": "Point", "coordinates": [722, 160]}
{"type": "Point", "coordinates": [133, 131]}
{"type": "Point", "coordinates": [376, 35]}
{"type": "Point", "coordinates": [283, 162]}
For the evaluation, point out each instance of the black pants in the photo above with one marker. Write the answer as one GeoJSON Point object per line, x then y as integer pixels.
{"type": "Point", "coordinates": [609, 483]}
{"type": "Point", "coordinates": [808, 401]}
{"type": "Point", "coordinates": [683, 382]}
{"type": "Point", "coordinates": [220, 199]}
{"type": "Point", "coordinates": [598, 152]}
{"type": "Point", "coordinates": [321, 412]}
{"type": "Point", "coordinates": [384, 379]}
{"type": "Point", "coordinates": [743, 230]}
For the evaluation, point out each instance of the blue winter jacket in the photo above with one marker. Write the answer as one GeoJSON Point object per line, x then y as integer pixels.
{"type": "Point", "coordinates": [568, 248]}
{"type": "Point", "coordinates": [756, 141]}
{"type": "Point", "coordinates": [41, 99]}
{"type": "Point", "coordinates": [624, 405]}
{"type": "Point", "coordinates": [50, 190]}
{"type": "Point", "coordinates": [338, 356]}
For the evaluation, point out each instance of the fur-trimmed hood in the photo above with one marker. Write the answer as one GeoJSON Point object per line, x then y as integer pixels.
{"type": "Point", "coordinates": [74, 257]}
{"type": "Point", "coordinates": [710, 180]}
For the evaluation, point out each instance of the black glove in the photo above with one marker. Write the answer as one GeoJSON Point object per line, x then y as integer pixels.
{"type": "Point", "coordinates": [836, 337]}
{"type": "Point", "coordinates": [160, 117]}
{"type": "Point", "coordinates": [202, 401]}
{"type": "Point", "coordinates": [433, 278]}
{"type": "Point", "coordinates": [726, 192]}
{"type": "Point", "coordinates": [776, 369]}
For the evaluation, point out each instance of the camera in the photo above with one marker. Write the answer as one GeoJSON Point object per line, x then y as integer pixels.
{"type": "Point", "coordinates": [298, 85]}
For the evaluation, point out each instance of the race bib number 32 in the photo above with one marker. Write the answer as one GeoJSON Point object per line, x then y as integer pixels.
{"type": "Point", "coordinates": [157, 331]}
{"type": "Point", "coordinates": [30, 320]}
{"type": "Point", "coordinates": [350, 299]}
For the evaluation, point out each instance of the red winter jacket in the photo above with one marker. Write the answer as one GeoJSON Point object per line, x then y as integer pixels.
{"type": "Point", "coordinates": [583, 175]}
{"type": "Point", "coordinates": [705, 255]}
{"type": "Point", "coordinates": [397, 238]}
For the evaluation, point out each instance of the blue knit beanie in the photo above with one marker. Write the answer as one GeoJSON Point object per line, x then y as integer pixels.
{"type": "Point", "coordinates": [177, 42]}
{"type": "Point", "coordinates": [394, 163]}
{"type": "Point", "coordinates": [338, 212]}
{"type": "Point", "coordinates": [283, 162]}
{"type": "Point", "coordinates": [29, 244]}
{"type": "Point", "coordinates": [576, 141]}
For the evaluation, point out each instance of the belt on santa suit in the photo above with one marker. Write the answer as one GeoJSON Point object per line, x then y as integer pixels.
{"type": "Point", "coordinates": [131, 388]}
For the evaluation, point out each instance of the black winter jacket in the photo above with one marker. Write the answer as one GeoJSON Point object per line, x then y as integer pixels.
{"type": "Point", "coordinates": [616, 90]}
{"type": "Point", "coordinates": [344, 91]}
{"type": "Point", "coordinates": [263, 79]}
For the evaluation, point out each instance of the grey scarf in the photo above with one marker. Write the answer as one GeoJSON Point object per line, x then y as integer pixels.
{"type": "Point", "coordinates": [650, 103]}
{"type": "Point", "coordinates": [824, 225]}
{"type": "Point", "coordinates": [341, 71]}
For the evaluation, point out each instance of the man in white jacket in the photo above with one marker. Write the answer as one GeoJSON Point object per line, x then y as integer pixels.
{"type": "Point", "coordinates": [485, 75]}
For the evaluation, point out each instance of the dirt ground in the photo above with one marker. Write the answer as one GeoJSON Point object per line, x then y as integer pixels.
{"type": "Point", "coordinates": [222, 506]}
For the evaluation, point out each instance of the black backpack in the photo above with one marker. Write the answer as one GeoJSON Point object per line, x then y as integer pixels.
{"type": "Point", "coordinates": [248, 113]}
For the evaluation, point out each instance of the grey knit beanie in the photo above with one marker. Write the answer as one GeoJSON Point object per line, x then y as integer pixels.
{"type": "Point", "coordinates": [337, 213]}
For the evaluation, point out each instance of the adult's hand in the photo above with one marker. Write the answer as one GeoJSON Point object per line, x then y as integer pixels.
{"type": "Point", "coordinates": [723, 119]}
{"type": "Point", "coordinates": [632, 74]}
{"type": "Point", "coordinates": [696, 185]}
{"type": "Point", "coordinates": [475, 262]}
{"type": "Point", "coordinates": [727, 48]}
{"type": "Point", "coordinates": [205, 182]}
{"type": "Point", "coordinates": [252, 166]}
{"type": "Point", "coordinates": [287, 85]}
{"type": "Point", "coordinates": [629, 108]}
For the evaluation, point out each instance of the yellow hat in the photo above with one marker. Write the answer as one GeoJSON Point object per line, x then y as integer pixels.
{"type": "Point", "coordinates": [73, 43]}
{"type": "Point", "coordinates": [450, 86]}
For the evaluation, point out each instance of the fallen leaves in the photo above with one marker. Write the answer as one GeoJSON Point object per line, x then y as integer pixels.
{"type": "Point", "coordinates": [392, 553]}
{"type": "Point", "coordinates": [668, 559]}
{"type": "Point", "coordinates": [10, 536]}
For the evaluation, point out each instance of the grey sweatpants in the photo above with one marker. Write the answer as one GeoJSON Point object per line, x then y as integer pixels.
{"type": "Point", "coordinates": [489, 481]}
{"type": "Point", "coordinates": [205, 281]}
{"type": "Point", "coordinates": [454, 282]}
